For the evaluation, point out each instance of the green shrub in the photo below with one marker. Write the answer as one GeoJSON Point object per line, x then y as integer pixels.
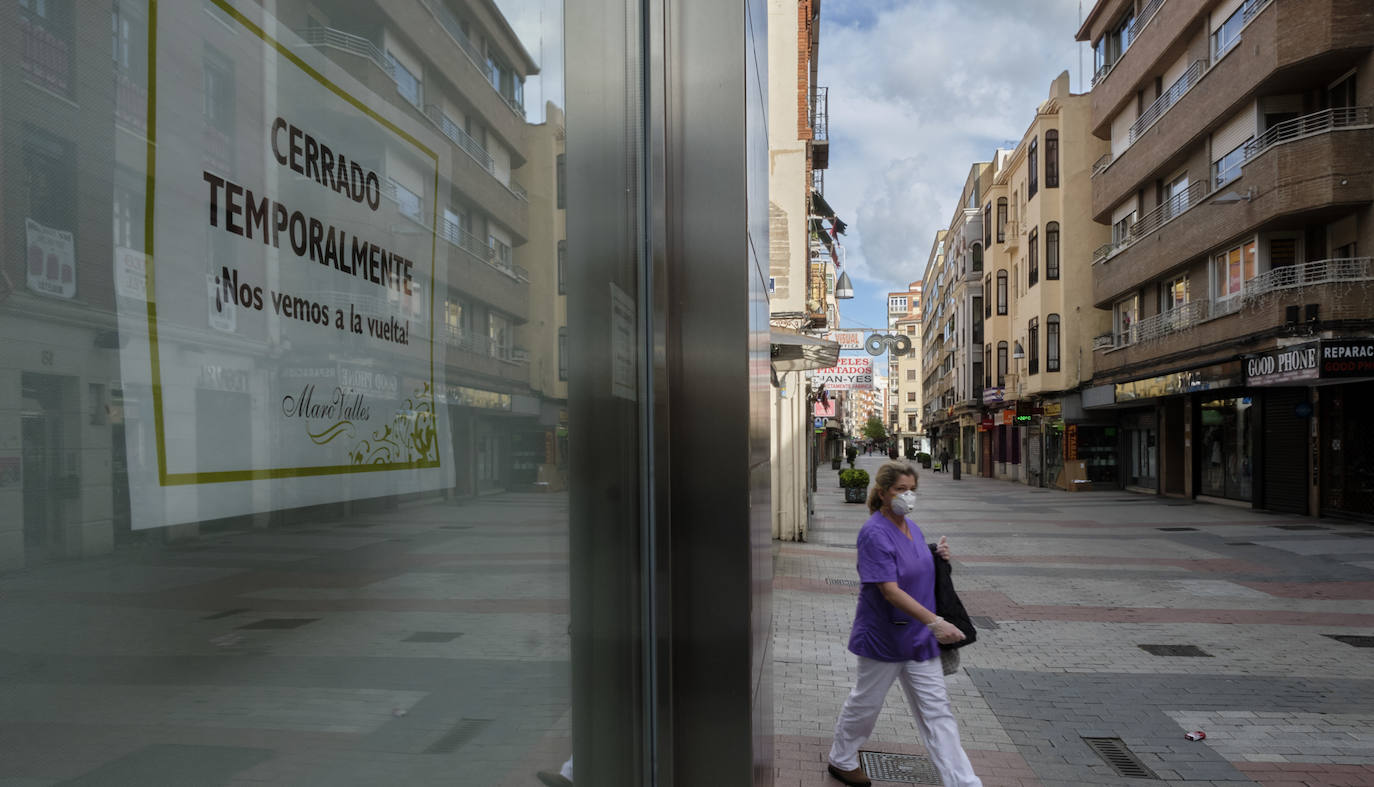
{"type": "Point", "coordinates": [854, 478]}
{"type": "Point", "coordinates": [923, 457]}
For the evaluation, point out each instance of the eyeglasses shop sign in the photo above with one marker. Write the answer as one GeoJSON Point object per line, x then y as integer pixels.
{"type": "Point", "coordinates": [1324, 360]}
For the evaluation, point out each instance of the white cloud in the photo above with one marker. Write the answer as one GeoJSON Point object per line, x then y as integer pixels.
{"type": "Point", "coordinates": [919, 91]}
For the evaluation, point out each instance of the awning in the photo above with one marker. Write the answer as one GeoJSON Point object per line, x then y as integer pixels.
{"type": "Point", "coordinates": [822, 209]}
{"type": "Point", "coordinates": [794, 352]}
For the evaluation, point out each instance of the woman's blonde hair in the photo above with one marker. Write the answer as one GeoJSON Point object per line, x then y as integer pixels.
{"type": "Point", "coordinates": [886, 476]}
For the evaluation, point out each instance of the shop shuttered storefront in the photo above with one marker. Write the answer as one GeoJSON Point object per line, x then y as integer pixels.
{"type": "Point", "coordinates": [1284, 452]}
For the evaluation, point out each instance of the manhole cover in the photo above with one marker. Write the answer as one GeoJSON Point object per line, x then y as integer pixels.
{"type": "Point", "coordinates": [1353, 640]}
{"type": "Point", "coordinates": [983, 622]}
{"type": "Point", "coordinates": [1114, 752]}
{"type": "Point", "coordinates": [1175, 650]}
{"type": "Point", "coordinates": [462, 732]}
{"type": "Point", "coordinates": [279, 623]}
{"type": "Point", "coordinates": [228, 613]}
{"type": "Point", "coordinates": [433, 636]}
{"type": "Point", "coordinates": [1175, 529]}
{"type": "Point", "coordinates": [908, 768]}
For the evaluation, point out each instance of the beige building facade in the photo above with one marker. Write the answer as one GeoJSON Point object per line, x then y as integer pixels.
{"type": "Point", "coordinates": [803, 257]}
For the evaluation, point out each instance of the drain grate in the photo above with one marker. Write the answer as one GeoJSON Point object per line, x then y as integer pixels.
{"type": "Point", "coordinates": [1353, 640]}
{"type": "Point", "coordinates": [908, 768]}
{"type": "Point", "coordinates": [1240, 543]}
{"type": "Point", "coordinates": [1176, 650]}
{"type": "Point", "coordinates": [1175, 529]}
{"type": "Point", "coordinates": [1114, 752]}
{"type": "Point", "coordinates": [1358, 534]}
{"type": "Point", "coordinates": [279, 623]}
{"type": "Point", "coordinates": [228, 613]}
{"type": "Point", "coordinates": [1300, 527]}
{"type": "Point", "coordinates": [462, 732]}
{"type": "Point", "coordinates": [983, 623]}
{"type": "Point", "coordinates": [433, 636]}
{"type": "Point", "coordinates": [845, 582]}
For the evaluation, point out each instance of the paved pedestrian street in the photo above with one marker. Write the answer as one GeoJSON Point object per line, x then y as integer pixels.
{"type": "Point", "coordinates": [1104, 614]}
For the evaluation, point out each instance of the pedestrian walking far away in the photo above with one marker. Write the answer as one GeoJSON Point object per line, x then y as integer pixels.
{"type": "Point", "coordinates": [896, 636]}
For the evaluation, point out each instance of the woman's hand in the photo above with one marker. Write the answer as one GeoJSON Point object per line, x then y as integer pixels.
{"type": "Point", "coordinates": [942, 549]}
{"type": "Point", "coordinates": [946, 633]}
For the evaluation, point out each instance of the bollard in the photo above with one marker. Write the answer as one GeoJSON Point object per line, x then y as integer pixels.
{"type": "Point", "coordinates": [956, 469]}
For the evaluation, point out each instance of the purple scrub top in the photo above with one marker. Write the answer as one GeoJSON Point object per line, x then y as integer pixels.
{"type": "Point", "coordinates": [881, 631]}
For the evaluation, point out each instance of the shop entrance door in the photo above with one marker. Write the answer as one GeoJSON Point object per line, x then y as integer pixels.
{"type": "Point", "coordinates": [43, 473]}
{"type": "Point", "coordinates": [1142, 464]}
{"type": "Point", "coordinates": [1347, 458]}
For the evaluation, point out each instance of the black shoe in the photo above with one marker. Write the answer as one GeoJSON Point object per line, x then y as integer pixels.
{"type": "Point", "coordinates": [856, 777]}
{"type": "Point", "coordinates": [553, 779]}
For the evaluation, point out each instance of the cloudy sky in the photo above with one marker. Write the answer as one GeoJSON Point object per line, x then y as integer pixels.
{"type": "Point", "coordinates": [919, 91]}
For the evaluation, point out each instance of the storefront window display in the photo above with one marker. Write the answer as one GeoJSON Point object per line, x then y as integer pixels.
{"type": "Point", "coordinates": [1097, 447]}
{"type": "Point", "coordinates": [1224, 447]}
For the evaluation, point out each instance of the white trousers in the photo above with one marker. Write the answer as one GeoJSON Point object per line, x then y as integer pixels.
{"type": "Point", "coordinates": [923, 682]}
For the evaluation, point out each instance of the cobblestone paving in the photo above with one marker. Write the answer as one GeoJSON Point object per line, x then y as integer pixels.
{"type": "Point", "coordinates": [1076, 583]}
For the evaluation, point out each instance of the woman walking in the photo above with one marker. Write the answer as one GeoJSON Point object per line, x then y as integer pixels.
{"type": "Point", "coordinates": [896, 634]}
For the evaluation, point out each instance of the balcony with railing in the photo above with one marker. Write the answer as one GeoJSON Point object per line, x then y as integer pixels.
{"type": "Point", "coordinates": [350, 43]}
{"type": "Point", "coordinates": [1340, 288]}
{"type": "Point", "coordinates": [1129, 36]}
{"type": "Point", "coordinates": [1290, 131]}
{"type": "Point", "coordinates": [460, 137]}
{"type": "Point", "coordinates": [1308, 125]}
{"type": "Point", "coordinates": [451, 25]}
{"type": "Point", "coordinates": [1310, 274]}
{"type": "Point", "coordinates": [131, 101]}
{"type": "Point", "coordinates": [45, 53]}
{"type": "Point", "coordinates": [818, 117]}
{"type": "Point", "coordinates": [1320, 54]}
{"type": "Point", "coordinates": [1166, 100]}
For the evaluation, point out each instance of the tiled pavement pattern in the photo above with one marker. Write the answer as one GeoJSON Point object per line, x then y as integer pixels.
{"type": "Point", "coordinates": [1075, 583]}
{"type": "Point", "coordinates": [425, 644]}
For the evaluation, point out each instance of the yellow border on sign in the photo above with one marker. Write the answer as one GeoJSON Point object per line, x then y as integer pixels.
{"type": "Point", "coordinates": [184, 479]}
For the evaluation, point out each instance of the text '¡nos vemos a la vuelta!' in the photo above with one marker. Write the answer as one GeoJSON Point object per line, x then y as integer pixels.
{"type": "Point", "coordinates": [241, 212]}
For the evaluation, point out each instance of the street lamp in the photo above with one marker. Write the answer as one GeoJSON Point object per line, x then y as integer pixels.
{"type": "Point", "coordinates": [844, 289]}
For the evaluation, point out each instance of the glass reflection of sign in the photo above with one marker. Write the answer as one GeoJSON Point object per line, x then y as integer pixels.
{"type": "Point", "coordinates": [1224, 375]}
{"type": "Point", "coordinates": [464, 396]}
{"type": "Point", "coordinates": [851, 373]}
{"type": "Point", "coordinates": [273, 210]}
{"type": "Point", "coordinates": [848, 340]}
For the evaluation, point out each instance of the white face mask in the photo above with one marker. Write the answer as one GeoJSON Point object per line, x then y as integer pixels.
{"type": "Point", "coordinates": [904, 503]}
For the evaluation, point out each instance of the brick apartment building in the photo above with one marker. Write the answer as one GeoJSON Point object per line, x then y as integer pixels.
{"type": "Point", "coordinates": [1238, 189]}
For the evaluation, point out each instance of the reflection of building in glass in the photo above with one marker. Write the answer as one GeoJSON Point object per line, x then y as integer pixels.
{"type": "Point", "coordinates": [73, 206]}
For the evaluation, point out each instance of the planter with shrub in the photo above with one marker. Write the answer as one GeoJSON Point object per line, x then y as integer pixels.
{"type": "Point", "coordinates": [855, 483]}
{"type": "Point", "coordinates": [924, 459]}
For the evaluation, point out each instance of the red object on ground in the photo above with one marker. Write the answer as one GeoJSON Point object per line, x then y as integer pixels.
{"type": "Point", "coordinates": [1196, 735]}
